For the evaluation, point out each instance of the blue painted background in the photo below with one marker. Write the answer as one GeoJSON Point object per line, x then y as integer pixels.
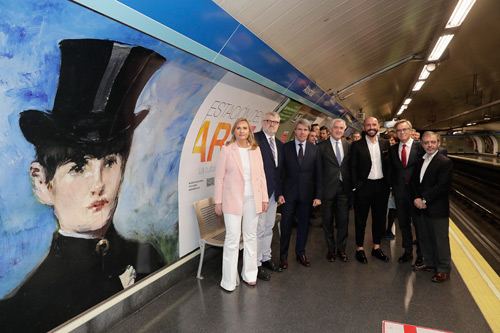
{"type": "Point", "coordinates": [29, 58]}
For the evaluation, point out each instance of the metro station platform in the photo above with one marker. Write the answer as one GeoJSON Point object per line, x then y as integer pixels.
{"type": "Point", "coordinates": [332, 297]}
{"type": "Point", "coordinates": [486, 159]}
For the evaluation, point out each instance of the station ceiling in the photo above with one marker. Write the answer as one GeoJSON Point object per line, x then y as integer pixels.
{"type": "Point", "coordinates": [370, 53]}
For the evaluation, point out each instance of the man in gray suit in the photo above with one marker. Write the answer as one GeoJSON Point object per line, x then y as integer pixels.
{"type": "Point", "coordinates": [335, 154]}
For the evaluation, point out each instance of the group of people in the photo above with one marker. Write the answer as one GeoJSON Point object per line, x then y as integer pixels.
{"type": "Point", "coordinates": [256, 172]}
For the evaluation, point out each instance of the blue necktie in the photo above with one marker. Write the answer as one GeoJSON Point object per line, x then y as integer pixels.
{"type": "Point", "coordinates": [301, 153]}
{"type": "Point", "coordinates": [339, 158]}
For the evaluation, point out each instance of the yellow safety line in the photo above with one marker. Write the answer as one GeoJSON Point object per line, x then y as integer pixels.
{"type": "Point", "coordinates": [481, 280]}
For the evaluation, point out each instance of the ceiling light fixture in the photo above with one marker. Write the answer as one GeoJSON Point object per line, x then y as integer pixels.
{"type": "Point", "coordinates": [431, 67]}
{"type": "Point", "coordinates": [461, 10]}
{"type": "Point", "coordinates": [407, 101]}
{"type": "Point", "coordinates": [418, 85]}
{"type": "Point", "coordinates": [440, 47]}
{"type": "Point", "coordinates": [424, 74]}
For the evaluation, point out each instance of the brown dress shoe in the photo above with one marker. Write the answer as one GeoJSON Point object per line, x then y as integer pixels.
{"type": "Point", "coordinates": [303, 260]}
{"type": "Point", "coordinates": [441, 277]}
{"type": "Point", "coordinates": [342, 256]}
{"type": "Point", "coordinates": [284, 264]}
{"type": "Point", "coordinates": [422, 268]}
{"type": "Point", "coordinates": [330, 256]}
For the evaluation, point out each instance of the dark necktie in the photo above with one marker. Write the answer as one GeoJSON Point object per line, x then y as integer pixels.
{"type": "Point", "coordinates": [301, 154]}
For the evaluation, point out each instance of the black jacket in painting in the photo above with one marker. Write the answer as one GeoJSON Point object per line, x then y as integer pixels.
{"type": "Point", "coordinates": [76, 275]}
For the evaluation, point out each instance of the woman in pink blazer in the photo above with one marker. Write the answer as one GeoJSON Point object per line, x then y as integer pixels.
{"type": "Point", "coordinates": [241, 195]}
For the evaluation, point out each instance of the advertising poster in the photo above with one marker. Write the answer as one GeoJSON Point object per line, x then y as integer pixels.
{"type": "Point", "coordinates": [232, 98]}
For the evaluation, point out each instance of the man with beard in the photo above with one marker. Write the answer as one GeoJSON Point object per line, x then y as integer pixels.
{"type": "Point", "coordinates": [272, 156]}
{"type": "Point", "coordinates": [369, 170]}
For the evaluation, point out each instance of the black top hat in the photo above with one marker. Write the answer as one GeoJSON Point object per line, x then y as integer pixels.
{"type": "Point", "coordinates": [99, 84]}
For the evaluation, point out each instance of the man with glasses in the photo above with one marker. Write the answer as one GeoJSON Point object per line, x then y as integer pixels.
{"type": "Point", "coordinates": [403, 158]}
{"type": "Point", "coordinates": [272, 156]}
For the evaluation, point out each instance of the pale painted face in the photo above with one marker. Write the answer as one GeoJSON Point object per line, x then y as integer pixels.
{"type": "Point", "coordinates": [301, 132]}
{"type": "Point", "coordinates": [338, 130]}
{"type": "Point", "coordinates": [430, 144]}
{"type": "Point", "coordinates": [270, 124]}
{"type": "Point", "coordinates": [85, 197]}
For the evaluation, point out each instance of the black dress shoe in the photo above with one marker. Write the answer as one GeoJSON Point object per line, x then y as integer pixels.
{"type": "Point", "coordinates": [284, 264]}
{"type": "Point", "coordinates": [419, 261]}
{"type": "Point", "coordinates": [303, 260]}
{"type": "Point", "coordinates": [271, 266]}
{"type": "Point", "coordinates": [361, 257]}
{"type": "Point", "coordinates": [422, 268]}
{"type": "Point", "coordinates": [379, 254]}
{"type": "Point", "coordinates": [330, 256]}
{"type": "Point", "coordinates": [342, 256]}
{"type": "Point", "coordinates": [262, 274]}
{"type": "Point", "coordinates": [407, 256]}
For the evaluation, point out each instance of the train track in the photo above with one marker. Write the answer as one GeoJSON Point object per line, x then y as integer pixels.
{"type": "Point", "coordinates": [475, 208]}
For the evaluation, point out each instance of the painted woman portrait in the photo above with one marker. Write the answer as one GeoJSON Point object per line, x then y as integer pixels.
{"type": "Point", "coordinates": [82, 146]}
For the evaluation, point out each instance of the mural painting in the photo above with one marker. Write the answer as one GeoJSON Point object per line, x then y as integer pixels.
{"type": "Point", "coordinates": [94, 123]}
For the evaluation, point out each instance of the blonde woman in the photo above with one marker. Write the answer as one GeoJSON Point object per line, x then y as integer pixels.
{"type": "Point", "coordinates": [241, 195]}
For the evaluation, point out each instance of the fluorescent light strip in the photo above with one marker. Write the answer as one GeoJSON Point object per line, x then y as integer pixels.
{"type": "Point", "coordinates": [424, 74]}
{"type": "Point", "coordinates": [461, 10]}
{"type": "Point", "coordinates": [407, 101]}
{"type": "Point", "coordinates": [418, 85]}
{"type": "Point", "coordinates": [441, 45]}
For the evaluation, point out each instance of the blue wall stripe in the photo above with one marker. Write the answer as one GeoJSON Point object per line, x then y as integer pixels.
{"type": "Point", "coordinates": [202, 28]}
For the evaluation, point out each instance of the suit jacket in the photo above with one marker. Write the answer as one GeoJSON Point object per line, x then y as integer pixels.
{"type": "Point", "coordinates": [302, 181]}
{"type": "Point", "coordinates": [443, 151]}
{"type": "Point", "coordinates": [435, 186]}
{"type": "Point", "coordinates": [361, 162]}
{"type": "Point", "coordinates": [273, 172]}
{"type": "Point", "coordinates": [230, 181]}
{"type": "Point", "coordinates": [332, 170]}
{"type": "Point", "coordinates": [398, 173]}
{"type": "Point", "coordinates": [71, 279]}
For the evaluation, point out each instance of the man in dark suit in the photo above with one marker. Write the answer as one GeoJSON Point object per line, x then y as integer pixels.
{"type": "Point", "coordinates": [430, 187]}
{"type": "Point", "coordinates": [272, 156]}
{"type": "Point", "coordinates": [369, 171]}
{"type": "Point", "coordinates": [403, 157]}
{"type": "Point", "coordinates": [335, 155]}
{"type": "Point", "coordinates": [301, 188]}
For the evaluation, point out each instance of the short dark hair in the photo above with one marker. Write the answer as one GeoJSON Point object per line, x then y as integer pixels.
{"type": "Point", "coordinates": [51, 155]}
{"type": "Point", "coordinates": [325, 128]}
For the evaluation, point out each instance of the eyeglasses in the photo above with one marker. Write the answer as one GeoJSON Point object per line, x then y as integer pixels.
{"type": "Point", "coordinates": [403, 130]}
{"type": "Point", "coordinates": [274, 122]}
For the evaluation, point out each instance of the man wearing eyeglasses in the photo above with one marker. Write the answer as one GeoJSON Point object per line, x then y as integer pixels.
{"type": "Point", "coordinates": [272, 155]}
{"type": "Point", "coordinates": [403, 158]}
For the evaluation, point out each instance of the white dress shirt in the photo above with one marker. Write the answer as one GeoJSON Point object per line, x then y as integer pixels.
{"type": "Point", "coordinates": [332, 141]}
{"type": "Point", "coordinates": [408, 148]}
{"type": "Point", "coordinates": [427, 160]}
{"type": "Point", "coordinates": [376, 170]}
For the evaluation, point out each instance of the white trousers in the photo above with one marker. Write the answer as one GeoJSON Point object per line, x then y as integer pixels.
{"type": "Point", "coordinates": [265, 232]}
{"type": "Point", "coordinates": [234, 226]}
